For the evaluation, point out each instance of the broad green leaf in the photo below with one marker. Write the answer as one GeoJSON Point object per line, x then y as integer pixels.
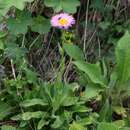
{"type": "Point", "coordinates": [7, 127]}
{"type": "Point", "coordinates": [80, 108]}
{"type": "Point", "coordinates": [40, 25]}
{"type": "Point", "coordinates": [5, 110]}
{"type": "Point", "coordinates": [29, 115]}
{"type": "Point", "coordinates": [69, 101]}
{"type": "Point", "coordinates": [69, 6]}
{"type": "Point", "coordinates": [107, 126]}
{"type": "Point", "coordinates": [5, 5]}
{"type": "Point", "coordinates": [52, 3]}
{"type": "Point", "coordinates": [19, 4]}
{"type": "Point", "coordinates": [30, 75]}
{"type": "Point", "coordinates": [86, 121]}
{"type": "Point", "coordinates": [76, 126]}
{"type": "Point", "coordinates": [91, 91]}
{"type": "Point", "coordinates": [92, 70]}
{"type": "Point", "coordinates": [74, 51]}
{"type": "Point", "coordinates": [19, 25]}
{"type": "Point", "coordinates": [123, 58]}
{"type": "Point", "coordinates": [32, 102]}
{"type": "Point", "coordinates": [14, 52]}
{"type": "Point", "coordinates": [62, 93]}
{"type": "Point", "coordinates": [105, 112]}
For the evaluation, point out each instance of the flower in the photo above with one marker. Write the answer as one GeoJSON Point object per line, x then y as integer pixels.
{"type": "Point", "coordinates": [62, 21]}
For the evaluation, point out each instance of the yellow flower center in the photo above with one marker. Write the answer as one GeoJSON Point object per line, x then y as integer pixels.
{"type": "Point", "coordinates": [63, 22]}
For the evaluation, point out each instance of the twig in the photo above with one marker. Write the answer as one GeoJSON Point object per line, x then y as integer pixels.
{"type": "Point", "coordinates": [13, 69]}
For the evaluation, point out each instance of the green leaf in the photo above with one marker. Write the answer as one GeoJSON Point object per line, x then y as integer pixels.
{"type": "Point", "coordinates": [92, 70]}
{"type": "Point", "coordinates": [74, 51]}
{"type": "Point", "coordinates": [2, 34]}
{"type": "Point", "coordinates": [40, 25]}
{"type": "Point", "coordinates": [19, 25]}
{"type": "Point", "coordinates": [5, 5]}
{"type": "Point", "coordinates": [113, 79]}
{"type": "Point", "coordinates": [80, 108]}
{"type": "Point", "coordinates": [6, 127]}
{"type": "Point", "coordinates": [87, 120]}
{"type": "Point", "coordinates": [65, 5]}
{"type": "Point", "coordinates": [32, 102]}
{"type": "Point", "coordinates": [69, 101]}
{"type": "Point", "coordinates": [1, 45]}
{"type": "Point", "coordinates": [42, 123]}
{"type": "Point", "coordinates": [91, 91]}
{"type": "Point", "coordinates": [52, 3]}
{"type": "Point", "coordinates": [57, 123]}
{"type": "Point", "coordinates": [5, 110]}
{"type": "Point", "coordinates": [123, 58]}
{"type": "Point", "coordinates": [29, 115]}
{"type": "Point", "coordinates": [30, 75]}
{"type": "Point", "coordinates": [105, 112]}
{"type": "Point", "coordinates": [61, 96]}
{"type": "Point", "coordinates": [14, 52]}
{"type": "Point", "coordinates": [107, 126]}
{"type": "Point", "coordinates": [70, 6]}
{"type": "Point", "coordinates": [120, 123]}
{"type": "Point", "coordinates": [76, 126]}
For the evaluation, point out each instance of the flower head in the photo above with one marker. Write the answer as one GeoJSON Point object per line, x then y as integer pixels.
{"type": "Point", "coordinates": [62, 21]}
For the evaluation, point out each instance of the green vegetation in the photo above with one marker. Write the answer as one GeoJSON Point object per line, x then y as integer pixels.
{"type": "Point", "coordinates": [65, 79]}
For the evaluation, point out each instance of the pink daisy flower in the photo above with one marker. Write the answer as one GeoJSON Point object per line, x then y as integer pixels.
{"type": "Point", "coordinates": [62, 21]}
